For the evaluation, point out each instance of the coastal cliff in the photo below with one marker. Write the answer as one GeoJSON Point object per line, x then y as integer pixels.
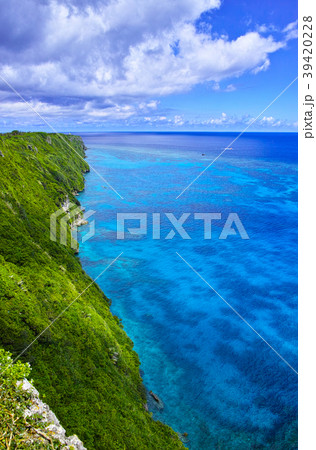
{"type": "Point", "coordinates": [26, 421]}
{"type": "Point", "coordinates": [84, 364]}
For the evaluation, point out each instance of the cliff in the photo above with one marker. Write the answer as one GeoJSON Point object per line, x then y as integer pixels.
{"type": "Point", "coordinates": [95, 395]}
{"type": "Point", "coordinates": [26, 421]}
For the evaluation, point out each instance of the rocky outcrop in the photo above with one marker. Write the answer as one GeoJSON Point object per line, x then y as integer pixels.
{"type": "Point", "coordinates": [66, 204]}
{"type": "Point", "coordinates": [183, 437]}
{"type": "Point", "coordinates": [32, 149]}
{"type": "Point", "coordinates": [78, 139]}
{"type": "Point", "coordinates": [78, 219]}
{"type": "Point", "coordinates": [158, 402]}
{"type": "Point", "coordinates": [52, 428]}
{"type": "Point", "coordinates": [68, 365]}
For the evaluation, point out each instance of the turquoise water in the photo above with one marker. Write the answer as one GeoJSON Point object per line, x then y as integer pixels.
{"type": "Point", "coordinates": [218, 380]}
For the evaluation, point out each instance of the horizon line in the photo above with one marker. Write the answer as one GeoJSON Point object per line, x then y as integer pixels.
{"type": "Point", "coordinates": [148, 131]}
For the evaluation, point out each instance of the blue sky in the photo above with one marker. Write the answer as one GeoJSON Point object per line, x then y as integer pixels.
{"type": "Point", "coordinates": [205, 65]}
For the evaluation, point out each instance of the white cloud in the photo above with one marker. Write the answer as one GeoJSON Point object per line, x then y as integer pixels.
{"type": "Point", "coordinates": [178, 120]}
{"type": "Point", "coordinates": [151, 105]}
{"type": "Point", "coordinates": [111, 60]}
{"type": "Point", "coordinates": [223, 121]}
{"type": "Point", "coordinates": [151, 67]}
{"type": "Point", "coordinates": [230, 88]}
{"type": "Point", "coordinates": [268, 120]}
{"type": "Point", "coordinates": [266, 28]}
{"type": "Point", "coordinates": [274, 122]}
{"type": "Point", "coordinates": [124, 49]}
{"type": "Point", "coordinates": [261, 68]}
{"type": "Point", "coordinates": [216, 87]}
{"type": "Point", "coordinates": [291, 30]}
{"type": "Point", "coordinates": [129, 114]}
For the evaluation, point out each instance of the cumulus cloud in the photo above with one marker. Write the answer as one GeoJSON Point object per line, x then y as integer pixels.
{"type": "Point", "coordinates": [130, 115]}
{"type": "Point", "coordinates": [224, 120]}
{"type": "Point", "coordinates": [120, 47]}
{"type": "Point", "coordinates": [232, 122]}
{"type": "Point", "coordinates": [117, 56]}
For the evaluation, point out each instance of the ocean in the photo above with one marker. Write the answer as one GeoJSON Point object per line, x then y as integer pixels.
{"type": "Point", "coordinates": [214, 321]}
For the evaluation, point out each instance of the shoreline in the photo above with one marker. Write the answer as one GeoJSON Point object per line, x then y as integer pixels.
{"type": "Point", "coordinates": [152, 398]}
{"type": "Point", "coordinates": [85, 364]}
{"type": "Point", "coordinates": [135, 309]}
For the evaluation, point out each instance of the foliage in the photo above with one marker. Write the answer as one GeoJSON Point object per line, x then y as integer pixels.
{"type": "Point", "coordinates": [93, 395]}
{"type": "Point", "coordinates": [18, 431]}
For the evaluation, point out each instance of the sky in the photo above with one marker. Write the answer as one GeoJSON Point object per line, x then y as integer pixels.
{"type": "Point", "coordinates": [148, 65]}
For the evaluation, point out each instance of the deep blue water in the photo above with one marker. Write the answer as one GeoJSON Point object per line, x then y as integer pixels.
{"type": "Point", "coordinates": [219, 381]}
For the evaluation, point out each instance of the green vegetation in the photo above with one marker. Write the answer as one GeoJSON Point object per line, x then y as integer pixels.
{"type": "Point", "coordinates": [84, 363]}
{"type": "Point", "coordinates": [16, 430]}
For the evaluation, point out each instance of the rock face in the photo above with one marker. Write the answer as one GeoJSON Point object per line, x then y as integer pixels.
{"type": "Point", "coordinates": [79, 220]}
{"type": "Point", "coordinates": [63, 361]}
{"type": "Point", "coordinates": [53, 429]}
{"type": "Point", "coordinates": [66, 204]}
{"type": "Point", "coordinates": [158, 402]}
